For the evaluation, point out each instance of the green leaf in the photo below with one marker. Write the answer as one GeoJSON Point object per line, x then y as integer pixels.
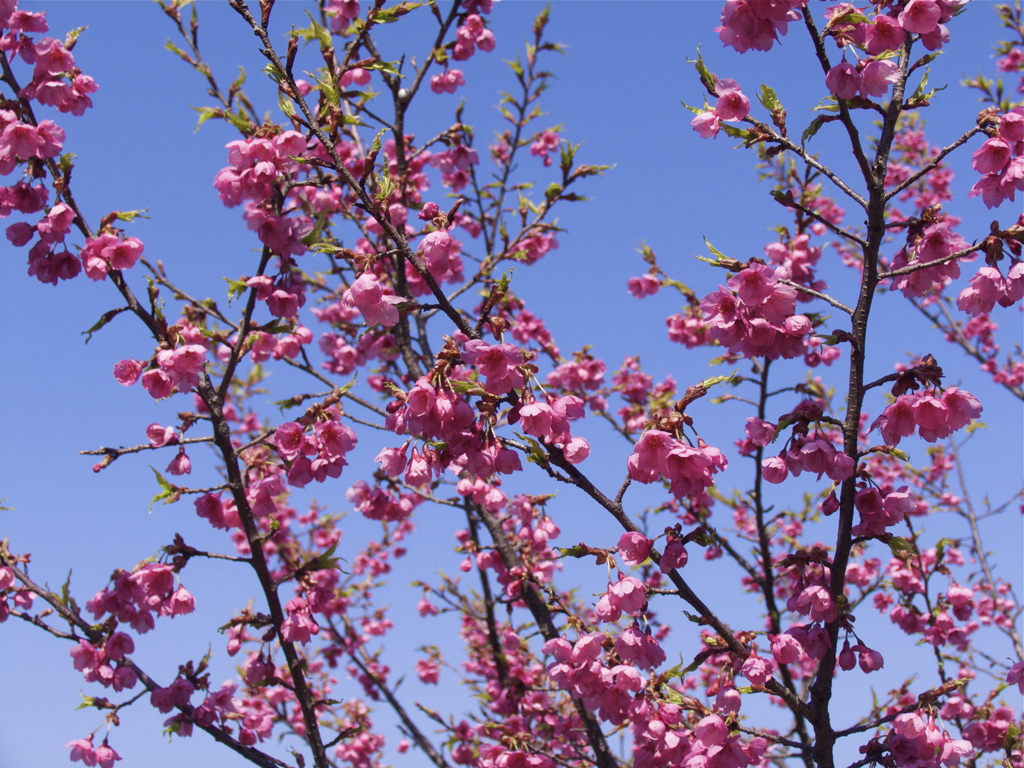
{"type": "Point", "coordinates": [353, 120]}
{"type": "Point", "coordinates": [316, 232]}
{"type": "Point", "coordinates": [375, 145]}
{"type": "Point", "coordinates": [517, 68]}
{"type": "Point", "coordinates": [706, 76]}
{"type": "Point", "coordinates": [72, 37]}
{"type": "Point", "coordinates": [205, 113]}
{"type": "Point", "coordinates": [273, 73]}
{"type": "Point", "coordinates": [928, 58]}
{"type": "Point", "coordinates": [920, 97]}
{"type": "Point", "coordinates": [239, 120]}
{"type": "Point", "coordinates": [737, 133]}
{"type": "Point", "coordinates": [323, 562]}
{"type": "Point", "coordinates": [1010, 740]}
{"type": "Point", "coordinates": [827, 104]}
{"type": "Point", "coordinates": [65, 592]}
{"type": "Point", "coordinates": [577, 551]}
{"type": "Point", "coordinates": [329, 89]}
{"type": "Point", "coordinates": [394, 13]}
{"type": "Point", "coordinates": [178, 52]}
{"type": "Point", "coordinates": [505, 280]}
{"type": "Point", "coordinates": [385, 186]}
{"type": "Point", "coordinates": [385, 66]}
{"type": "Point", "coordinates": [720, 258]}
{"type": "Point", "coordinates": [316, 31]}
{"type": "Point", "coordinates": [537, 454]}
{"type": "Point", "coordinates": [105, 318]}
{"type": "Point", "coordinates": [898, 544]}
{"type": "Point", "coordinates": [285, 104]}
{"type": "Point", "coordinates": [816, 123]}
{"type": "Point", "coordinates": [695, 110]}
{"type": "Point", "coordinates": [168, 493]}
{"type": "Point", "coordinates": [524, 202]}
{"type": "Point", "coordinates": [235, 288]}
{"type": "Point", "coordinates": [467, 387]}
{"type": "Point", "coordinates": [325, 247]}
{"type": "Point", "coordinates": [769, 99]}
{"type": "Point", "coordinates": [66, 163]}
{"type": "Point", "coordinates": [707, 383]}
{"type": "Point", "coordinates": [131, 215]}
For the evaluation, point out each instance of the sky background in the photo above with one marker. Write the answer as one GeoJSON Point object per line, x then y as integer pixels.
{"type": "Point", "coordinates": [618, 91]}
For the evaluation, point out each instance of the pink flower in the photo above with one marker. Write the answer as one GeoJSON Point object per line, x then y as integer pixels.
{"type": "Point", "coordinates": [786, 649]}
{"type": "Point", "coordinates": [961, 407]}
{"type": "Point", "coordinates": [180, 464]}
{"type": "Point", "coordinates": [847, 658]}
{"type": "Point", "coordinates": [290, 439]}
{"type": "Point", "coordinates": [732, 104]}
{"type": "Point", "coordinates": [127, 372]}
{"type": "Point", "coordinates": [118, 645]}
{"type": "Point", "coordinates": [355, 76]}
{"type": "Point", "coordinates": [640, 648]}
{"type": "Point", "coordinates": [425, 608]}
{"type": "Point", "coordinates": [499, 363]}
{"type": "Point", "coordinates": [393, 460]}
{"type": "Point", "coordinates": [760, 432]}
{"type": "Point", "coordinates": [576, 450]}
{"type": "Point", "coordinates": [674, 556]}
{"type": "Point", "coordinates": [897, 420]}
{"type": "Point", "coordinates": [877, 76]}
{"type": "Point", "coordinates": [447, 81]}
{"type": "Point", "coordinates": [843, 80]}
{"type": "Point", "coordinates": [642, 287]}
{"type": "Point", "coordinates": [920, 16]}
{"type": "Point", "coordinates": [869, 660]}
{"type": "Point", "coordinates": [757, 669]}
{"type": "Point", "coordinates": [157, 383]}
{"type": "Point", "coordinates": [706, 124]}
{"type": "Point", "coordinates": [627, 595]}
{"type": "Point", "coordinates": [634, 547]}
{"type": "Point", "coordinates": [436, 248]}
{"type": "Point", "coordinates": [367, 295]}
{"type": "Point", "coordinates": [1016, 675]}
{"type": "Point", "coordinates": [992, 157]}
{"type": "Point", "coordinates": [82, 749]}
{"type": "Point", "coordinates": [884, 34]}
{"type": "Point", "coordinates": [427, 671]}
{"type": "Point", "coordinates": [774, 469]}
{"type": "Point", "coordinates": [756, 24]}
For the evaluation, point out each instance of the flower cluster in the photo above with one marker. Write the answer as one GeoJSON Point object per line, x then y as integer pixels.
{"type": "Point", "coordinates": [549, 421]}
{"type": "Point", "coordinates": [932, 415]}
{"type": "Point", "coordinates": [1000, 160]}
{"type": "Point", "coordinates": [472, 34]}
{"type": "Point", "coordinates": [870, 78]}
{"type": "Point", "coordinates": [753, 24]}
{"type": "Point", "coordinates": [367, 295]}
{"type": "Point", "coordinates": [447, 81]}
{"type": "Point", "coordinates": [731, 105]}
{"type": "Point", "coordinates": [755, 315]}
{"type": "Point", "coordinates": [134, 597]}
{"type": "Point", "coordinates": [688, 470]}
{"type": "Point", "coordinates": [318, 455]}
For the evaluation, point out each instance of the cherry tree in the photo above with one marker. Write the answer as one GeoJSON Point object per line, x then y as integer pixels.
{"type": "Point", "coordinates": [786, 525]}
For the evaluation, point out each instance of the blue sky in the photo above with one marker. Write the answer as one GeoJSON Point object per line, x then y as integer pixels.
{"type": "Point", "coordinates": [617, 90]}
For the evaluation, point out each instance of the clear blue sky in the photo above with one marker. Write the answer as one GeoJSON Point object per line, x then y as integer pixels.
{"type": "Point", "coordinates": [618, 90]}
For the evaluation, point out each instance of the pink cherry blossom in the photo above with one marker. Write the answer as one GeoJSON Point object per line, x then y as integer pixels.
{"type": "Point", "coordinates": [634, 547]}
{"type": "Point", "coordinates": [731, 104]}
